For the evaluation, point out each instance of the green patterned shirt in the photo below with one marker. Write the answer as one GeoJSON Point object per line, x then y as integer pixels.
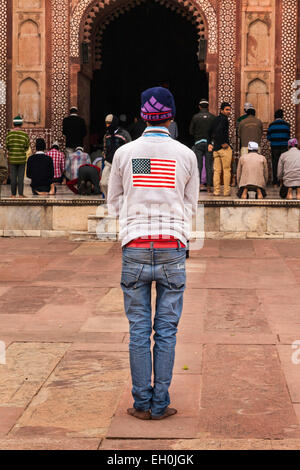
{"type": "Point", "coordinates": [17, 144]}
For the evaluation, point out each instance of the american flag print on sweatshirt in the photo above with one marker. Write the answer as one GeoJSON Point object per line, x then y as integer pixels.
{"type": "Point", "coordinates": [153, 173]}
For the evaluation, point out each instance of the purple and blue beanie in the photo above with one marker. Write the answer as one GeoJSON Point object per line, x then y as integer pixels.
{"type": "Point", "coordinates": [293, 143]}
{"type": "Point", "coordinates": [157, 105]}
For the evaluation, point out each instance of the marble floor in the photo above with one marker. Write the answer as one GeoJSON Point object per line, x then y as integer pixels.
{"type": "Point", "coordinates": [64, 371]}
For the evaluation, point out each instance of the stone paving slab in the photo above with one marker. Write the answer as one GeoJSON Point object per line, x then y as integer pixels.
{"type": "Point", "coordinates": [49, 444]}
{"type": "Point", "coordinates": [137, 444]}
{"type": "Point", "coordinates": [27, 367]}
{"type": "Point", "coordinates": [84, 390]}
{"type": "Point", "coordinates": [244, 392]}
{"type": "Point", "coordinates": [171, 428]}
{"type": "Point", "coordinates": [104, 347]}
{"type": "Point", "coordinates": [8, 416]}
{"type": "Point", "coordinates": [291, 370]}
{"type": "Point", "coordinates": [235, 311]}
{"type": "Point", "coordinates": [185, 393]}
{"type": "Point", "coordinates": [109, 324]}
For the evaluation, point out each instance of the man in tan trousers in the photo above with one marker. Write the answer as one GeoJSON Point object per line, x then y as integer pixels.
{"type": "Point", "coordinates": [222, 151]}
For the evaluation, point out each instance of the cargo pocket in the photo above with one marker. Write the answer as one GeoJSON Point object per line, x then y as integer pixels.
{"type": "Point", "coordinates": [130, 275]}
{"type": "Point", "coordinates": [176, 276]}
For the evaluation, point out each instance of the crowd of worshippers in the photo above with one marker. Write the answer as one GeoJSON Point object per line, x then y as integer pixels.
{"type": "Point", "coordinates": [86, 174]}
{"type": "Point", "coordinates": [82, 173]}
{"type": "Point", "coordinates": [249, 171]}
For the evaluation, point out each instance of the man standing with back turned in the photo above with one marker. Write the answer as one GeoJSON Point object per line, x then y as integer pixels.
{"type": "Point", "coordinates": [154, 187]}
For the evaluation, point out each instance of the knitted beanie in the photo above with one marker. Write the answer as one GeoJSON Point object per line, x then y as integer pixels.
{"type": "Point", "coordinates": [18, 121]}
{"type": "Point", "coordinates": [157, 105]}
{"type": "Point", "coordinates": [293, 143]}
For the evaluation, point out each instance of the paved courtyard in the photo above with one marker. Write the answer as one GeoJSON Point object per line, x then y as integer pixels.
{"type": "Point", "coordinates": [66, 381]}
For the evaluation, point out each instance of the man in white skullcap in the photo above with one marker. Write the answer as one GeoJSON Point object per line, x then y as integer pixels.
{"type": "Point", "coordinates": [252, 173]}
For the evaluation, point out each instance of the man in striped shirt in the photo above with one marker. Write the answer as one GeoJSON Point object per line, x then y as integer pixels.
{"type": "Point", "coordinates": [279, 134]}
{"type": "Point", "coordinates": [59, 162]}
{"type": "Point", "coordinates": [17, 144]}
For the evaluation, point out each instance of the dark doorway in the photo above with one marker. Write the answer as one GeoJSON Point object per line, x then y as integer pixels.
{"type": "Point", "coordinates": [145, 47]}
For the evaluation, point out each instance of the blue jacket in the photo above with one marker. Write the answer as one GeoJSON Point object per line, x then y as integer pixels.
{"type": "Point", "coordinates": [279, 133]}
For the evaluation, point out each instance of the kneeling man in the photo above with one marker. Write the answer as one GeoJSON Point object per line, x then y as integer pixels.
{"type": "Point", "coordinates": [87, 182]}
{"type": "Point", "coordinates": [41, 171]}
{"type": "Point", "coordinates": [252, 173]}
{"type": "Point", "coordinates": [289, 171]}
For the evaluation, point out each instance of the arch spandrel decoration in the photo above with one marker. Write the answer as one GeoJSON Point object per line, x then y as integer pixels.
{"type": "Point", "coordinates": [82, 6]}
{"type": "Point", "coordinates": [289, 59]}
{"type": "Point", "coordinates": [3, 63]}
{"type": "Point", "coordinates": [60, 66]}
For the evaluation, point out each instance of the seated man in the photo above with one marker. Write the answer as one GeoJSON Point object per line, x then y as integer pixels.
{"type": "Point", "coordinates": [252, 173]}
{"type": "Point", "coordinates": [41, 171]}
{"type": "Point", "coordinates": [289, 171]}
{"type": "Point", "coordinates": [87, 182]}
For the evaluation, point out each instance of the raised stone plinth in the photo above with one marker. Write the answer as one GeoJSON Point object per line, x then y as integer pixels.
{"type": "Point", "coordinates": [86, 218]}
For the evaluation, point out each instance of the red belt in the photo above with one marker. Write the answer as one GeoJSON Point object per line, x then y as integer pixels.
{"type": "Point", "coordinates": [154, 244]}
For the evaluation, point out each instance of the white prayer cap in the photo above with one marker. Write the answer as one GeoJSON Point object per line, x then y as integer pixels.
{"type": "Point", "coordinates": [252, 146]}
{"type": "Point", "coordinates": [248, 106]}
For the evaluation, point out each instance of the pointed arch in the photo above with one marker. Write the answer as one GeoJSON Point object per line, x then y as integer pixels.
{"type": "Point", "coordinates": [85, 11]}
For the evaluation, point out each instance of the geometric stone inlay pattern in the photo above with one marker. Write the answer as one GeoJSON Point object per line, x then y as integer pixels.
{"type": "Point", "coordinates": [3, 65]}
{"type": "Point", "coordinates": [227, 55]}
{"type": "Point", "coordinates": [80, 11]}
{"type": "Point", "coordinates": [60, 65]}
{"type": "Point", "coordinates": [289, 50]}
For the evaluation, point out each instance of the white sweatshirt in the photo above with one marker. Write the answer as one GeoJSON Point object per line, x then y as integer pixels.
{"type": "Point", "coordinates": [154, 187]}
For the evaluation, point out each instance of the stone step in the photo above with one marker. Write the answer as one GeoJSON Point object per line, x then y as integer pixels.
{"type": "Point", "coordinates": [88, 236]}
{"type": "Point", "coordinates": [103, 224]}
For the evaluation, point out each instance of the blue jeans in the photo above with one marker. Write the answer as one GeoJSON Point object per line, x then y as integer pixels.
{"type": "Point", "coordinates": [141, 267]}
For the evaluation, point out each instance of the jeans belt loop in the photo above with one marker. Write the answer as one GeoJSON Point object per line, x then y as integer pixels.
{"type": "Point", "coordinates": [178, 245]}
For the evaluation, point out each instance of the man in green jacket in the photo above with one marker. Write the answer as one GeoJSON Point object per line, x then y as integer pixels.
{"type": "Point", "coordinates": [17, 144]}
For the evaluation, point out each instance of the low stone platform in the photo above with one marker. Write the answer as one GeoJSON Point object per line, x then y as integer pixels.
{"type": "Point", "coordinates": [66, 382]}
{"type": "Point", "coordinates": [85, 217]}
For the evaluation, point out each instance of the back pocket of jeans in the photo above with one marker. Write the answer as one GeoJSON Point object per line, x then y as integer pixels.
{"type": "Point", "coordinates": [130, 276]}
{"type": "Point", "coordinates": [176, 276]}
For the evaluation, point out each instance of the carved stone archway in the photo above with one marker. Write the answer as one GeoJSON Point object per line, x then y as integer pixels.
{"type": "Point", "coordinates": [89, 14]}
{"type": "Point", "coordinates": [86, 10]}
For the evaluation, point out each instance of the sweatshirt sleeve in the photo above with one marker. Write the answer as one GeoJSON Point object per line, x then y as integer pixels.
{"type": "Point", "coordinates": [115, 187]}
{"type": "Point", "coordinates": [191, 191]}
{"type": "Point", "coordinates": [280, 169]}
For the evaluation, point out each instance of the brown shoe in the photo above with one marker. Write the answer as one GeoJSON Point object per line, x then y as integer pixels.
{"type": "Point", "coordinates": [139, 414]}
{"type": "Point", "coordinates": [168, 412]}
